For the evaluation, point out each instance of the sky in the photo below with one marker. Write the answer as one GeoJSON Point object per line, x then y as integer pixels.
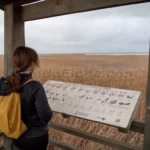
{"type": "Point", "coordinates": [114, 30]}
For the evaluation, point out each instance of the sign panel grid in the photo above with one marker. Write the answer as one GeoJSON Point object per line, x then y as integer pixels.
{"type": "Point", "coordinates": [101, 104]}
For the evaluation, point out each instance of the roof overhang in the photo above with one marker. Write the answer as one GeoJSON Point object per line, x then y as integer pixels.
{"type": "Point", "coordinates": [16, 2]}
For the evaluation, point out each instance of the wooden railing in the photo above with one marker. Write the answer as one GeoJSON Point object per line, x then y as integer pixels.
{"type": "Point", "coordinates": [136, 126]}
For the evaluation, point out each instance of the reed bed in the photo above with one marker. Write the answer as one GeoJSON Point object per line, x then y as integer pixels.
{"type": "Point", "coordinates": [124, 72]}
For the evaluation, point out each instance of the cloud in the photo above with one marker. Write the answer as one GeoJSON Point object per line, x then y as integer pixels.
{"type": "Point", "coordinates": [115, 30]}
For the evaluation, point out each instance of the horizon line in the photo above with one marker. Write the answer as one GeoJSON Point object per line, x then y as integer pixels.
{"type": "Point", "coordinates": [111, 53]}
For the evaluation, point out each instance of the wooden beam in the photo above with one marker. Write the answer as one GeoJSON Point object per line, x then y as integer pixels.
{"type": "Point", "coordinates": [52, 8]}
{"type": "Point", "coordinates": [147, 133]}
{"type": "Point", "coordinates": [137, 126]}
{"type": "Point", "coordinates": [14, 35]}
{"type": "Point", "coordinates": [16, 2]}
{"type": "Point", "coordinates": [95, 138]}
{"type": "Point", "coordinates": [23, 2]}
{"type": "Point", "coordinates": [62, 145]}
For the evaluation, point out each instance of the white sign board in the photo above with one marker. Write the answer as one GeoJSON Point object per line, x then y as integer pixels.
{"type": "Point", "coordinates": [106, 105]}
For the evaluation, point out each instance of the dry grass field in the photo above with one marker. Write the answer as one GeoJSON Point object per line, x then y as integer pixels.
{"type": "Point", "coordinates": [125, 72]}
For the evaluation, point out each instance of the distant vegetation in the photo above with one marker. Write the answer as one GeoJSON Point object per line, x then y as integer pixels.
{"type": "Point", "coordinates": [125, 72]}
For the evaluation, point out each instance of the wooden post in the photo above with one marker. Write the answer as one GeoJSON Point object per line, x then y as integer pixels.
{"type": "Point", "coordinates": [14, 37]}
{"type": "Point", "coordinates": [147, 120]}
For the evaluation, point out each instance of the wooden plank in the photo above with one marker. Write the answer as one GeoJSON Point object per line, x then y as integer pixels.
{"type": "Point", "coordinates": [95, 138]}
{"type": "Point", "coordinates": [137, 126]}
{"type": "Point", "coordinates": [23, 2]}
{"type": "Point", "coordinates": [52, 8]}
{"type": "Point", "coordinates": [147, 133]}
{"type": "Point", "coordinates": [8, 52]}
{"type": "Point", "coordinates": [147, 120]}
{"type": "Point", "coordinates": [62, 145]}
{"type": "Point", "coordinates": [14, 35]}
{"type": "Point", "coordinates": [17, 2]}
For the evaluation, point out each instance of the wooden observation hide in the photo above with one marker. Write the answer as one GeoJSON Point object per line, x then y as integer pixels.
{"type": "Point", "coordinates": [19, 11]}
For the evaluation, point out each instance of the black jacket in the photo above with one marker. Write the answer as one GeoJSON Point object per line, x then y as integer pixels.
{"type": "Point", "coordinates": [36, 112]}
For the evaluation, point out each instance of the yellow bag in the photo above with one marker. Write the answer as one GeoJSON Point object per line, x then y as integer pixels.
{"type": "Point", "coordinates": [10, 115]}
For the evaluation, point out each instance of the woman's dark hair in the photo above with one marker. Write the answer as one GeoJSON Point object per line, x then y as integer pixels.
{"type": "Point", "coordinates": [23, 58]}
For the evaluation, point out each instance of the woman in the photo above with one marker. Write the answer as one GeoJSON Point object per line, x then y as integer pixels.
{"type": "Point", "coordinates": [35, 111]}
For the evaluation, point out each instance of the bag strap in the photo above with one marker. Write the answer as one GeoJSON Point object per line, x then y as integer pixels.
{"type": "Point", "coordinates": [30, 80]}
